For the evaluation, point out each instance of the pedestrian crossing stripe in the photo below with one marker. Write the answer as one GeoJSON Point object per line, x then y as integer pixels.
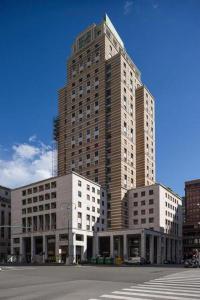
{"type": "Point", "coordinates": [191, 290]}
{"type": "Point", "coordinates": [144, 294]}
{"type": "Point", "coordinates": [179, 286]}
{"type": "Point", "coordinates": [161, 292]}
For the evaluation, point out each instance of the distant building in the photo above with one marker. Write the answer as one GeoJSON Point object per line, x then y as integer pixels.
{"type": "Point", "coordinates": [57, 217]}
{"type": "Point", "coordinates": [191, 227]}
{"type": "Point", "coordinates": [5, 221]}
{"type": "Point", "coordinates": [155, 227]}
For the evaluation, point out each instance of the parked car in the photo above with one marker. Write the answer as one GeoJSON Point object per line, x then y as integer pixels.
{"type": "Point", "coordinates": [135, 261]}
{"type": "Point", "coordinates": [191, 263]}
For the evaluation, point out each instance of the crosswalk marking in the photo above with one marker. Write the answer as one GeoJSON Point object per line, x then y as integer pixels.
{"type": "Point", "coordinates": [161, 292]}
{"type": "Point", "coordinates": [122, 297]}
{"type": "Point", "coordinates": [191, 290]}
{"type": "Point", "coordinates": [178, 280]}
{"type": "Point", "coordinates": [173, 284]}
{"type": "Point", "coordinates": [150, 296]}
{"type": "Point", "coordinates": [179, 286]}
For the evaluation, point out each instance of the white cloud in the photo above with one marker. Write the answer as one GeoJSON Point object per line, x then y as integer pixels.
{"type": "Point", "coordinates": [28, 163]}
{"type": "Point", "coordinates": [25, 151]}
{"type": "Point", "coordinates": [128, 7]}
{"type": "Point", "coordinates": [32, 138]}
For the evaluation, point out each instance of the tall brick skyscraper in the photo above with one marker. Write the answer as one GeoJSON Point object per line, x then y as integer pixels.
{"type": "Point", "coordinates": [99, 107]}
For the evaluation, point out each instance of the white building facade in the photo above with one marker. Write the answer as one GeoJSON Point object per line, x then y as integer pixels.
{"type": "Point", "coordinates": [155, 227]}
{"type": "Point", "coordinates": [57, 218]}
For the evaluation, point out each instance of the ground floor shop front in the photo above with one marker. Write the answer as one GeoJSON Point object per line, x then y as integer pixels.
{"type": "Point", "coordinates": [53, 247]}
{"type": "Point", "coordinates": [152, 246]}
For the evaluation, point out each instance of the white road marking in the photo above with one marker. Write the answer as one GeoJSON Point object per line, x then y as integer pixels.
{"type": "Point", "coordinates": [171, 287]}
{"type": "Point", "coordinates": [142, 286]}
{"type": "Point", "coordinates": [150, 295]}
{"type": "Point", "coordinates": [173, 284]}
{"type": "Point", "coordinates": [160, 292]}
{"type": "Point", "coordinates": [178, 280]}
{"type": "Point", "coordinates": [122, 297]}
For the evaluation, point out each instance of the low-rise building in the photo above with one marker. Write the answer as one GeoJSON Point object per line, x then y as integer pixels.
{"type": "Point", "coordinates": [57, 218]}
{"type": "Point", "coordinates": [155, 227]}
{"type": "Point", "coordinates": [5, 222]}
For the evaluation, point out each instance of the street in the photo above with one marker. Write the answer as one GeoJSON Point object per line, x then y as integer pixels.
{"type": "Point", "coordinates": [95, 283]}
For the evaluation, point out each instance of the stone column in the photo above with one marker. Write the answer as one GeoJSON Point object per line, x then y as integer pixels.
{"type": "Point", "coordinates": [32, 247]}
{"type": "Point", "coordinates": [57, 247]}
{"type": "Point", "coordinates": [179, 250]}
{"type": "Point", "coordinates": [163, 258]}
{"type": "Point", "coordinates": [169, 249]}
{"type": "Point", "coordinates": [97, 245]}
{"type": "Point", "coordinates": [125, 246]}
{"type": "Point", "coordinates": [84, 256]}
{"type": "Point", "coordinates": [94, 245]}
{"type": "Point", "coordinates": [151, 238]}
{"type": "Point", "coordinates": [158, 249]}
{"type": "Point", "coordinates": [173, 250]}
{"type": "Point", "coordinates": [73, 248]}
{"type": "Point", "coordinates": [44, 242]}
{"type": "Point", "coordinates": [111, 246]}
{"type": "Point", "coordinates": [143, 245]}
{"type": "Point", "coordinates": [21, 250]}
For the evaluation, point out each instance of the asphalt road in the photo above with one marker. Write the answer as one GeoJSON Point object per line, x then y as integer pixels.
{"type": "Point", "coordinates": [82, 282]}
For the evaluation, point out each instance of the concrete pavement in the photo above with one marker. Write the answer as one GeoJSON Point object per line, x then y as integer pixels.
{"type": "Point", "coordinates": [75, 283]}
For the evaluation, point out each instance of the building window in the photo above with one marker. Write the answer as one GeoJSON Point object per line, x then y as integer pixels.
{"type": "Point", "coordinates": [53, 195]}
{"type": "Point", "coordinates": [53, 205]}
{"type": "Point", "coordinates": [151, 211]}
{"type": "Point", "coordinates": [135, 222]}
{"type": "Point", "coordinates": [79, 183]}
{"type": "Point", "coordinates": [150, 192]}
{"type": "Point", "coordinates": [151, 201]}
{"type": "Point", "coordinates": [47, 186]}
{"type": "Point", "coordinates": [135, 195]}
{"type": "Point", "coordinates": [35, 189]}
{"type": "Point", "coordinates": [143, 193]}
{"type": "Point", "coordinates": [151, 220]}
{"type": "Point", "coordinates": [143, 221]}
{"type": "Point", "coordinates": [47, 196]}
{"type": "Point", "coordinates": [79, 193]}
{"type": "Point", "coordinates": [143, 202]}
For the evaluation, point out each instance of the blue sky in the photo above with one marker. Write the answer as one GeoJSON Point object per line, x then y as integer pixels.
{"type": "Point", "coordinates": [162, 37]}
